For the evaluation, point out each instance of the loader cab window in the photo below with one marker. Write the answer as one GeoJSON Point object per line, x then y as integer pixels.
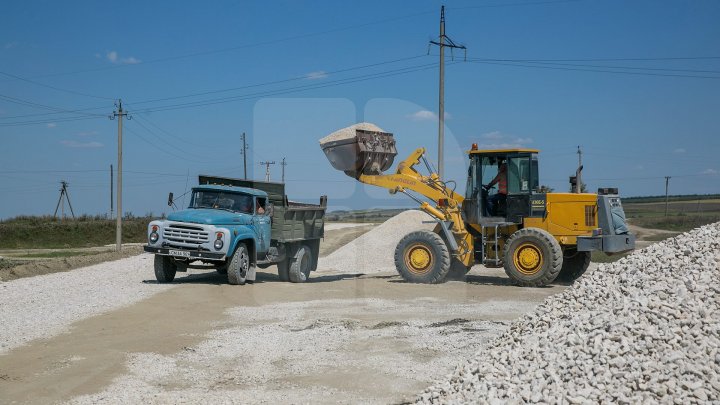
{"type": "Point", "coordinates": [522, 174]}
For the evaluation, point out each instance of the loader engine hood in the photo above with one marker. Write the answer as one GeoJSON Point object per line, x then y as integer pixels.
{"type": "Point", "coordinates": [210, 217]}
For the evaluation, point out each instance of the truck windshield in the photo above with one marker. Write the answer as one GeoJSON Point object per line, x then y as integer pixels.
{"type": "Point", "coordinates": [223, 200]}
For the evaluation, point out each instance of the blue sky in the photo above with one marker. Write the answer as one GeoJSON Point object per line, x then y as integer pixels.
{"type": "Point", "coordinates": [194, 77]}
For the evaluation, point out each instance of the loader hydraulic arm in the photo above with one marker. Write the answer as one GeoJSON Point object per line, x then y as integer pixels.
{"type": "Point", "coordinates": [447, 203]}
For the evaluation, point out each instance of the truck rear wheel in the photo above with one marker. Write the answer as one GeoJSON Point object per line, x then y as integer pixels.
{"type": "Point", "coordinates": [422, 257]}
{"type": "Point", "coordinates": [165, 269]}
{"type": "Point", "coordinates": [283, 270]}
{"type": "Point", "coordinates": [301, 265]}
{"type": "Point", "coordinates": [532, 257]}
{"type": "Point", "coordinates": [574, 265]}
{"type": "Point", "coordinates": [239, 265]}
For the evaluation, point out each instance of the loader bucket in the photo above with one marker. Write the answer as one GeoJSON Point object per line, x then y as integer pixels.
{"type": "Point", "coordinates": [368, 152]}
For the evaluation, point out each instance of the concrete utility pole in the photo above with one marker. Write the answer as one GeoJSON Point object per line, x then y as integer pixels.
{"type": "Point", "coordinates": [244, 153]}
{"type": "Point", "coordinates": [441, 96]}
{"type": "Point", "coordinates": [283, 164]}
{"type": "Point", "coordinates": [667, 181]}
{"type": "Point", "coordinates": [267, 169]}
{"type": "Point", "coordinates": [111, 191]}
{"type": "Point", "coordinates": [119, 113]}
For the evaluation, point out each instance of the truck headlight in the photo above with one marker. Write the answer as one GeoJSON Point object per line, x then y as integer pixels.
{"type": "Point", "coordinates": [154, 234]}
{"type": "Point", "coordinates": [219, 242]}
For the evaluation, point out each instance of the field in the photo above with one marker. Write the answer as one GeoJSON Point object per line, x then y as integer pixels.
{"type": "Point", "coordinates": [682, 215]}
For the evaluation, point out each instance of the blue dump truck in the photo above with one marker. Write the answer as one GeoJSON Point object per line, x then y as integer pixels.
{"type": "Point", "coordinates": [235, 226]}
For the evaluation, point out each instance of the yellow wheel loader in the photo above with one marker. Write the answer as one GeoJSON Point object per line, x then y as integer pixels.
{"type": "Point", "coordinates": [536, 236]}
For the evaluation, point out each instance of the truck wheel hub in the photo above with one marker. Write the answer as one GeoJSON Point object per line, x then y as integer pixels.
{"type": "Point", "coordinates": [418, 259]}
{"type": "Point", "coordinates": [528, 259]}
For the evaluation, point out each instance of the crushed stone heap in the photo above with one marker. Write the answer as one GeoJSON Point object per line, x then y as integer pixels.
{"type": "Point", "coordinates": [645, 329]}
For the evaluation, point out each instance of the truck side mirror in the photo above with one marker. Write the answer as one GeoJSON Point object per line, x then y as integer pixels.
{"type": "Point", "coordinates": [270, 210]}
{"type": "Point", "coordinates": [170, 200]}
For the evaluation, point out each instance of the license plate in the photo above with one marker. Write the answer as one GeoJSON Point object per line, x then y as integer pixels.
{"type": "Point", "coordinates": [179, 253]}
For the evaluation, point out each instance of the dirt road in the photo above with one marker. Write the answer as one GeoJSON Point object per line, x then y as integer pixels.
{"type": "Point", "coordinates": [338, 338]}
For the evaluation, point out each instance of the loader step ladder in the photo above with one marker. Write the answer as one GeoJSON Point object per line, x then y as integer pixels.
{"type": "Point", "coordinates": [490, 243]}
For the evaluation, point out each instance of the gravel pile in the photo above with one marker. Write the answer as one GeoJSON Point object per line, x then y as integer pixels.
{"type": "Point", "coordinates": [44, 306]}
{"type": "Point", "coordinates": [643, 329]}
{"type": "Point", "coordinates": [349, 132]}
{"type": "Point", "coordinates": [374, 252]}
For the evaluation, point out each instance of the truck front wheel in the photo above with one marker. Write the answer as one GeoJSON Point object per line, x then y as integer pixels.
{"type": "Point", "coordinates": [300, 266]}
{"type": "Point", "coordinates": [165, 269]}
{"type": "Point", "coordinates": [239, 265]}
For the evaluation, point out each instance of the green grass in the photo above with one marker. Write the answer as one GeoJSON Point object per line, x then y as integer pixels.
{"type": "Point", "coordinates": [54, 255]}
{"type": "Point", "coordinates": [600, 257]}
{"type": "Point", "coordinates": [49, 233]}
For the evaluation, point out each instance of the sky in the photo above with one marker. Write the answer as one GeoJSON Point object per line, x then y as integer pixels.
{"type": "Point", "coordinates": [635, 84]}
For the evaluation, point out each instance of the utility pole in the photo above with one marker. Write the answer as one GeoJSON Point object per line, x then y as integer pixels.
{"type": "Point", "coordinates": [441, 98]}
{"type": "Point", "coordinates": [61, 201]}
{"type": "Point", "coordinates": [244, 153]}
{"type": "Point", "coordinates": [667, 181]}
{"type": "Point", "coordinates": [267, 169]}
{"type": "Point", "coordinates": [283, 164]}
{"type": "Point", "coordinates": [111, 191]}
{"type": "Point", "coordinates": [119, 113]}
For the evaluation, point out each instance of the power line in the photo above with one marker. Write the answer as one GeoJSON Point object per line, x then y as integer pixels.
{"type": "Point", "coordinates": [597, 70]}
{"type": "Point", "coordinates": [54, 88]}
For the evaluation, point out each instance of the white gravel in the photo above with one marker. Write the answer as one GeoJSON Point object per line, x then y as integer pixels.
{"type": "Point", "coordinates": [324, 351]}
{"type": "Point", "coordinates": [374, 251]}
{"type": "Point", "coordinates": [645, 329]}
{"type": "Point", "coordinates": [44, 306]}
{"type": "Point", "coordinates": [349, 132]}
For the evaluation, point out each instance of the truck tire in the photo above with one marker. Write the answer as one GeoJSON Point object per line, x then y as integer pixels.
{"type": "Point", "coordinates": [165, 269]}
{"type": "Point", "coordinates": [300, 265]}
{"type": "Point", "coordinates": [239, 265]}
{"type": "Point", "coordinates": [284, 270]}
{"type": "Point", "coordinates": [574, 265]}
{"type": "Point", "coordinates": [533, 258]}
{"type": "Point", "coordinates": [422, 257]}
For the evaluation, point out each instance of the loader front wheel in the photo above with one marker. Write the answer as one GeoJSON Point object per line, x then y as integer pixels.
{"type": "Point", "coordinates": [574, 265]}
{"type": "Point", "coordinates": [422, 257]}
{"type": "Point", "coordinates": [533, 258]}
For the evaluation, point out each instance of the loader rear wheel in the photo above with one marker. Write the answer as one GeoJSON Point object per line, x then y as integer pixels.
{"type": "Point", "coordinates": [165, 269]}
{"type": "Point", "coordinates": [574, 265]}
{"type": "Point", "coordinates": [422, 257]}
{"type": "Point", "coordinates": [533, 258]}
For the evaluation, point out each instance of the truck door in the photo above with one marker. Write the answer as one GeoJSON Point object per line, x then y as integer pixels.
{"type": "Point", "coordinates": [261, 220]}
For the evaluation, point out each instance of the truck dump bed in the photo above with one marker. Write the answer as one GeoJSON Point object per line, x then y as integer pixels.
{"type": "Point", "coordinates": [291, 221]}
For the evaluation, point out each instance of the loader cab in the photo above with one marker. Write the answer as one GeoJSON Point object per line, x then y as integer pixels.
{"type": "Point", "coordinates": [509, 202]}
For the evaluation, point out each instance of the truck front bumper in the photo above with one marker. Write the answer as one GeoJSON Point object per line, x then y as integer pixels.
{"type": "Point", "coordinates": [184, 253]}
{"type": "Point", "coordinates": [606, 243]}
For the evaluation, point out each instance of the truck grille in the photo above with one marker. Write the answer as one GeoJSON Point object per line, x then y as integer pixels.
{"type": "Point", "coordinates": [185, 234]}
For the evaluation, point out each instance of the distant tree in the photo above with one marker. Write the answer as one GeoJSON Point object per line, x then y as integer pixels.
{"type": "Point", "coordinates": [545, 189]}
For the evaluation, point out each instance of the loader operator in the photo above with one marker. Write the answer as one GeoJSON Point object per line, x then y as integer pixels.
{"type": "Point", "coordinates": [499, 197]}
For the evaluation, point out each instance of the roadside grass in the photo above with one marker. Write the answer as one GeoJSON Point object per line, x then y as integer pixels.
{"type": "Point", "coordinates": [600, 257]}
{"type": "Point", "coordinates": [46, 232]}
{"type": "Point", "coordinates": [682, 215]}
{"type": "Point", "coordinates": [53, 255]}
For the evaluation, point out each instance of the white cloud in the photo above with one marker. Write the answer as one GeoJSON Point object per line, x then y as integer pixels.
{"type": "Point", "coordinates": [76, 144]}
{"type": "Point", "coordinates": [426, 115]}
{"type": "Point", "coordinates": [320, 74]}
{"type": "Point", "coordinates": [679, 150]}
{"type": "Point", "coordinates": [499, 140]}
{"type": "Point", "coordinates": [10, 45]}
{"type": "Point", "coordinates": [113, 57]}
{"type": "Point", "coordinates": [709, 171]}
{"type": "Point", "coordinates": [51, 125]}
{"type": "Point", "coordinates": [88, 133]}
